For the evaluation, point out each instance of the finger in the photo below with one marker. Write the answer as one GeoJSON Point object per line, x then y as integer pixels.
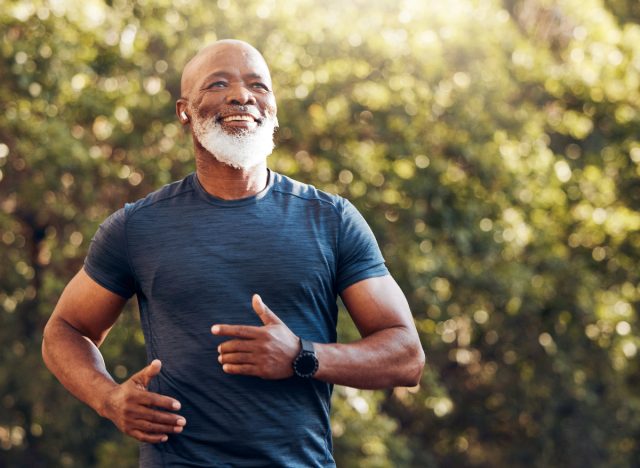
{"type": "Point", "coordinates": [236, 358]}
{"type": "Point", "coordinates": [239, 331]}
{"type": "Point", "coordinates": [244, 369]}
{"type": "Point", "coordinates": [154, 428]}
{"type": "Point", "coordinates": [160, 417]}
{"type": "Point", "coordinates": [266, 315]}
{"type": "Point", "coordinates": [160, 401]}
{"type": "Point", "coordinates": [149, 438]}
{"type": "Point", "coordinates": [144, 376]}
{"type": "Point", "coordinates": [237, 346]}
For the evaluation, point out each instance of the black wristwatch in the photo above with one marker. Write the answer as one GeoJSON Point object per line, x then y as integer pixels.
{"type": "Point", "coordinates": [305, 364]}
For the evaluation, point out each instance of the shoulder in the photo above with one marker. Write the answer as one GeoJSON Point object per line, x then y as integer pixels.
{"type": "Point", "coordinates": [308, 193]}
{"type": "Point", "coordinates": [158, 197]}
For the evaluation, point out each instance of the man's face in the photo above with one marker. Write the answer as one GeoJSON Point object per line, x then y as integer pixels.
{"type": "Point", "coordinates": [232, 85]}
{"type": "Point", "coordinates": [231, 104]}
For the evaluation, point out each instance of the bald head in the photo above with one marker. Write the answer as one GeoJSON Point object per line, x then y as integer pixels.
{"type": "Point", "coordinates": [226, 98]}
{"type": "Point", "coordinates": [216, 57]}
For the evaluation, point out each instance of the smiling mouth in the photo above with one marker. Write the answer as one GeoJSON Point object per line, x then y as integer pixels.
{"type": "Point", "coordinates": [239, 118]}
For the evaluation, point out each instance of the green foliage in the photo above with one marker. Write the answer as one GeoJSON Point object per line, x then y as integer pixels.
{"type": "Point", "coordinates": [492, 146]}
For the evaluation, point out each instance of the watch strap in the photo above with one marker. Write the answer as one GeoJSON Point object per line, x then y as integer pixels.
{"type": "Point", "coordinates": [307, 345]}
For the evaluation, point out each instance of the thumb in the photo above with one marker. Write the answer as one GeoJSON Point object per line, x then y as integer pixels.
{"type": "Point", "coordinates": [266, 315]}
{"type": "Point", "coordinates": [144, 376]}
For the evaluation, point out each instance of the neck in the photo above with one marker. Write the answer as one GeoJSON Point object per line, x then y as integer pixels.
{"type": "Point", "coordinates": [226, 182]}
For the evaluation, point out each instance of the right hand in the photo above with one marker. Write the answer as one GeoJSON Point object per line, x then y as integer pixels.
{"type": "Point", "coordinates": [136, 411]}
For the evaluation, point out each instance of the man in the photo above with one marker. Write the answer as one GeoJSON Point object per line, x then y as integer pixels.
{"type": "Point", "coordinates": [235, 378]}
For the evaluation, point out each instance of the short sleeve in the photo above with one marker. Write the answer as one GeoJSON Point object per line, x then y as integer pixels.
{"type": "Point", "coordinates": [359, 256]}
{"type": "Point", "coordinates": [107, 261]}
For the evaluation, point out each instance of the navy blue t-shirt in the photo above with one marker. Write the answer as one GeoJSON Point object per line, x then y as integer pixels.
{"type": "Point", "coordinates": [194, 260]}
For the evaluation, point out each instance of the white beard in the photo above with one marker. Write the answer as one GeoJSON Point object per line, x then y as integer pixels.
{"type": "Point", "coordinates": [243, 150]}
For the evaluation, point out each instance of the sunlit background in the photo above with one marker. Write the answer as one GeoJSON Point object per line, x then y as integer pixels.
{"type": "Point", "coordinates": [493, 146]}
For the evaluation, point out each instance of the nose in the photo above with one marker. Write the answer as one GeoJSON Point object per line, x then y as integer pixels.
{"type": "Point", "coordinates": [239, 95]}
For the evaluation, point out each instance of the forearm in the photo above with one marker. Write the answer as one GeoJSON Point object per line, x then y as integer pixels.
{"type": "Point", "coordinates": [77, 363]}
{"type": "Point", "coordinates": [388, 358]}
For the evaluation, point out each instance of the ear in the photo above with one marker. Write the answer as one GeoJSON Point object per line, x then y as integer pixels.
{"type": "Point", "coordinates": [182, 111]}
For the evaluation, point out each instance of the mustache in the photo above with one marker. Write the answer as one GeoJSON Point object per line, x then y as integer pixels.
{"type": "Point", "coordinates": [261, 118]}
{"type": "Point", "coordinates": [243, 109]}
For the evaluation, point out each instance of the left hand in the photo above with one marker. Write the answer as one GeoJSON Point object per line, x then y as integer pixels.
{"type": "Point", "coordinates": [265, 352]}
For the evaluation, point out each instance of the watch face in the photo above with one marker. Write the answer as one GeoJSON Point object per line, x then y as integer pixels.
{"type": "Point", "coordinates": [306, 364]}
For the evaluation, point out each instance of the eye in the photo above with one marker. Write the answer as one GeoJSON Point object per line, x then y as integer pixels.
{"type": "Point", "coordinates": [217, 84]}
{"type": "Point", "coordinates": [260, 86]}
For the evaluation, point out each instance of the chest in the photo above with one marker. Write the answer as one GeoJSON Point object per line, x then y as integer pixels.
{"type": "Point", "coordinates": [221, 259]}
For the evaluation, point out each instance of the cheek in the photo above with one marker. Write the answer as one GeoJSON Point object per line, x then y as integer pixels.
{"type": "Point", "coordinates": [207, 103]}
{"type": "Point", "coordinates": [270, 106]}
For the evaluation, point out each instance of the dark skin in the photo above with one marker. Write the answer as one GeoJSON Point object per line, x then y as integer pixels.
{"type": "Point", "coordinates": [79, 324]}
{"type": "Point", "coordinates": [219, 80]}
{"type": "Point", "coordinates": [224, 80]}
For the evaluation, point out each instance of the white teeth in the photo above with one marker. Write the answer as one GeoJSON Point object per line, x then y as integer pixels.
{"type": "Point", "coordinates": [230, 118]}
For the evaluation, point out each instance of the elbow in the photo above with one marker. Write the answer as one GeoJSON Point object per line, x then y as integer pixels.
{"type": "Point", "coordinates": [414, 366]}
{"type": "Point", "coordinates": [46, 336]}
{"type": "Point", "coordinates": [419, 361]}
{"type": "Point", "coordinates": [45, 355]}
{"type": "Point", "coordinates": [50, 341]}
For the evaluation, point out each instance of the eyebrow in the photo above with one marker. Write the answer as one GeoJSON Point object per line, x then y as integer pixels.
{"type": "Point", "coordinates": [225, 74]}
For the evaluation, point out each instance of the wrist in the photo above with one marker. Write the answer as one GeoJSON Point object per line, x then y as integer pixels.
{"type": "Point", "coordinates": [102, 403]}
{"type": "Point", "coordinates": [305, 364]}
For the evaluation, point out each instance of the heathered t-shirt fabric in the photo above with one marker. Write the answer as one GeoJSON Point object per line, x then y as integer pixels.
{"type": "Point", "coordinates": [194, 260]}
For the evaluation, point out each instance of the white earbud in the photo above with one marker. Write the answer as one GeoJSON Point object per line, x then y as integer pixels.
{"type": "Point", "coordinates": [184, 116]}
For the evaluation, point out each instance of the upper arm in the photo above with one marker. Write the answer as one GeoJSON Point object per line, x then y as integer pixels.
{"type": "Point", "coordinates": [88, 307]}
{"type": "Point", "coordinates": [376, 304]}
